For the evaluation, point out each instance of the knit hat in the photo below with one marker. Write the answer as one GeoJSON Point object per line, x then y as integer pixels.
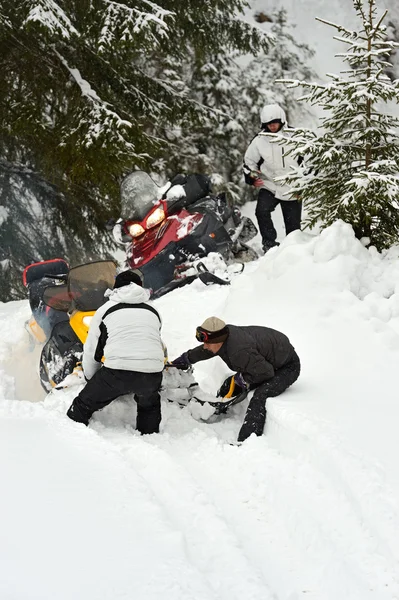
{"type": "Point", "coordinates": [127, 277]}
{"type": "Point", "coordinates": [212, 330]}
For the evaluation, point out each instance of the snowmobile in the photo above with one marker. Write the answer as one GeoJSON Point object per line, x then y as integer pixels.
{"type": "Point", "coordinates": [164, 231]}
{"type": "Point", "coordinates": [63, 301]}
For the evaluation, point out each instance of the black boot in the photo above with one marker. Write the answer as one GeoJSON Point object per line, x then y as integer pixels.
{"type": "Point", "coordinates": [148, 418]}
{"type": "Point", "coordinates": [255, 418]}
{"type": "Point", "coordinates": [268, 245]}
{"type": "Point", "coordinates": [78, 414]}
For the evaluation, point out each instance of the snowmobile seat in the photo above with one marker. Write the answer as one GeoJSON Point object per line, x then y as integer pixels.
{"type": "Point", "coordinates": [55, 267]}
{"type": "Point", "coordinates": [196, 186]}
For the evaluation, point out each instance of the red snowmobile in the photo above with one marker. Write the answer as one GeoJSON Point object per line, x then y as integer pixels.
{"type": "Point", "coordinates": [165, 230]}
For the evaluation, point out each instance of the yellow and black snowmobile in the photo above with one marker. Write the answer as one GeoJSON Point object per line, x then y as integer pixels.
{"type": "Point", "coordinates": [63, 301]}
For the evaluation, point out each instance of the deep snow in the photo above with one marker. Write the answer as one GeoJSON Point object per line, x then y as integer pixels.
{"type": "Point", "coordinates": [309, 510]}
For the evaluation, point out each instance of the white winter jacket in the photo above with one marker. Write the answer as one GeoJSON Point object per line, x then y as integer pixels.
{"type": "Point", "coordinates": [126, 330]}
{"type": "Point", "coordinates": [267, 156]}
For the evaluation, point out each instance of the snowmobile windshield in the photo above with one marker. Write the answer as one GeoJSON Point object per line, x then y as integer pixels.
{"type": "Point", "coordinates": [57, 297]}
{"type": "Point", "coordinates": [88, 283]}
{"type": "Point", "coordinates": [139, 193]}
{"type": "Point", "coordinates": [85, 288]}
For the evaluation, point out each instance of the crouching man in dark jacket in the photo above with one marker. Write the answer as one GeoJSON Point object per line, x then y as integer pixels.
{"type": "Point", "coordinates": [264, 360]}
{"type": "Point", "coordinates": [125, 333]}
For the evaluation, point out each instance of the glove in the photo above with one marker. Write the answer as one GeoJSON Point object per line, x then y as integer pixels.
{"type": "Point", "coordinates": [182, 361]}
{"type": "Point", "coordinates": [240, 381]}
{"type": "Point", "coordinates": [258, 182]}
{"type": "Point", "coordinates": [239, 386]}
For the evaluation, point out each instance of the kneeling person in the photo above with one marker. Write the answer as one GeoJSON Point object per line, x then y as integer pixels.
{"type": "Point", "coordinates": [264, 359]}
{"type": "Point", "coordinates": [126, 331]}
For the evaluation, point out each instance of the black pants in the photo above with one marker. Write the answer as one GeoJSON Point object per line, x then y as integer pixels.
{"type": "Point", "coordinates": [255, 416]}
{"type": "Point", "coordinates": [108, 384]}
{"type": "Point", "coordinates": [267, 202]}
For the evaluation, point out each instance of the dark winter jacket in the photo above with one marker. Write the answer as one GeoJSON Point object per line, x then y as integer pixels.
{"type": "Point", "coordinates": [253, 351]}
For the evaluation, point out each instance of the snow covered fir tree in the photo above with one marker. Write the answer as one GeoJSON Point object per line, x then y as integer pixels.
{"type": "Point", "coordinates": [351, 165]}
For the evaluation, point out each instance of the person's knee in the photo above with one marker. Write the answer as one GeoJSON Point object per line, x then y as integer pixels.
{"type": "Point", "coordinates": [79, 412]}
{"type": "Point", "coordinates": [262, 211]}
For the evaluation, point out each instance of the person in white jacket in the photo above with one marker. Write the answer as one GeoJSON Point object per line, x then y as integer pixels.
{"type": "Point", "coordinates": [123, 354]}
{"type": "Point", "coordinates": [264, 161]}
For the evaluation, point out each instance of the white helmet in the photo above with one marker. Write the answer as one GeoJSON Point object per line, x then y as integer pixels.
{"type": "Point", "coordinates": [272, 112]}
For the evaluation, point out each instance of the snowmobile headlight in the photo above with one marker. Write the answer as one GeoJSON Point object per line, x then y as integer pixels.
{"type": "Point", "coordinates": [135, 230]}
{"type": "Point", "coordinates": [87, 321]}
{"type": "Point", "coordinates": [156, 217]}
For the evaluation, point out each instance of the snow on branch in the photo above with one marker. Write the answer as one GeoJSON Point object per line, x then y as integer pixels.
{"type": "Point", "coordinates": [130, 89]}
{"type": "Point", "coordinates": [133, 21]}
{"type": "Point", "coordinates": [158, 14]}
{"type": "Point", "coordinates": [5, 21]}
{"type": "Point", "coordinates": [347, 32]}
{"type": "Point", "coordinates": [102, 120]}
{"type": "Point", "coordinates": [49, 14]}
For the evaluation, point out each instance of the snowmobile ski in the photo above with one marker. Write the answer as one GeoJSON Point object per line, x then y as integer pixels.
{"type": "Point", "coordinates": [209, 278]}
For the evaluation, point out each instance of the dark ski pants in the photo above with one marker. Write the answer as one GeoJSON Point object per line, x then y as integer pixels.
{"type": "Point", "coordinates": [267, 202]}
{"type": "Point", "coordinates": [108, 384]}
{"type": "Point", "coordinates": [255, 416]}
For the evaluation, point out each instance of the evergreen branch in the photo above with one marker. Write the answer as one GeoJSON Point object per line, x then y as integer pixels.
{"type": "Point", "coordinates": [103, 120]}
{"type": "Point", "coordinates": [379, 23]}
{"type": "Point", "coordinates": [159, 13]}
{"type": "Point", "coordinates": [18, 168]}
{"type": "Point", "coordinates": [5, 21]}
{"type": "Point", "coordinates": [349, 33]}
{"type": "Point", "coordinates": [300, 83]}
{"type": "Point", "coordinates": [128, 86]}
{"type": "Point", "coordinates": [50, 16]}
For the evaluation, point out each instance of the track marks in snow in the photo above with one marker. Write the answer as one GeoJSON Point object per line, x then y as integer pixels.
{"type": "Point", "coordinates": [291, 513]}
{"type": "Point", "coordinates": [263, 522]}
{"type": "Point", "coordinates": [211, 545]}
{"type": "Point", "coordinates": [355, 509]}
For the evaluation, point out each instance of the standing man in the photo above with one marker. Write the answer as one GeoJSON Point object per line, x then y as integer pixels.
{"type": "Point", "coordinates": [124, 334]}
{"type": "Point", "coordinates": [264, 160]}
{"type": "Point", "coordinates": [264, 359]}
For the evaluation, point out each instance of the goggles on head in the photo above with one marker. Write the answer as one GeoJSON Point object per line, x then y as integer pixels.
{"type": "Point", "coordinates": [201, 334]}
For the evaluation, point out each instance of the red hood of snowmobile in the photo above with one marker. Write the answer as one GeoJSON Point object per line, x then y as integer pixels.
{"type": "Point", "coordinates": [173, 229]}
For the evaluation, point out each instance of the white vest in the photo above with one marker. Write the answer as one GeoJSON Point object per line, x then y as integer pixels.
{"type": "Point", "coordinates": [126, 330]}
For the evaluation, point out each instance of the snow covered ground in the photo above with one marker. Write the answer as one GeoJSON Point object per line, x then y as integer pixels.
{"type": "Point", "coordinates": [309, 510]}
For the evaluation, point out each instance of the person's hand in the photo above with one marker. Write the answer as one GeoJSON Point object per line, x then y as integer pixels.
{"type": "Point", "coordinates": [239, 386]}
{"type": "Point", "coordinates": [182, 361]}
{"type": "Point", "coordinates": [240, 381]}
{"type": "Point", "coordinates": [258, 182]}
